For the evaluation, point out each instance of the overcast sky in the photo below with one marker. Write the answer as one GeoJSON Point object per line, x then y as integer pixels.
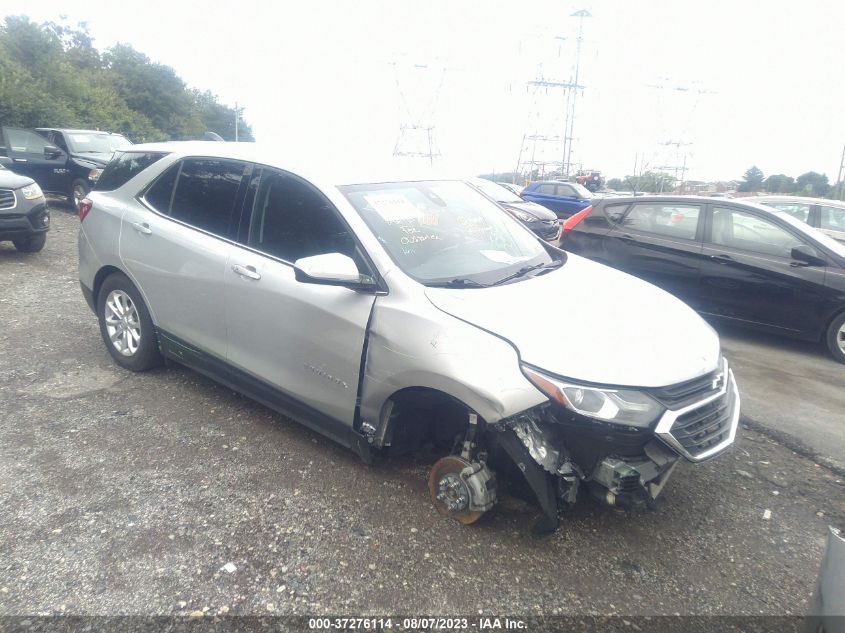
{"type": "Point", "coordinates": [730, 83]}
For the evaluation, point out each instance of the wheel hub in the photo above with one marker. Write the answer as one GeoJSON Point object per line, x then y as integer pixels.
{"type": "Point", "coordinates": [453, 492]}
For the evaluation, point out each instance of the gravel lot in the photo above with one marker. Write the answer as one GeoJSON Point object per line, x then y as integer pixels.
{"type": "Point", "coordinates": [164, 493]}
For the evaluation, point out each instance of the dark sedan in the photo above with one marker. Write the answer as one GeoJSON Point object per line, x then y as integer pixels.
{"type": "Point", "coordinates": [741, 262]}
{"type": "Point", "coordinates": [539, 219]}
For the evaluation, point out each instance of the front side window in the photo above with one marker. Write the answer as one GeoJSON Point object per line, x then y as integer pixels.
{"type": "Point", "coordinates": [832, 219]}
{"type": "Point", "coordinates": [547, 189]}
{"type": "Point", "coordinates": [565, 190]}
{"type": "Point", "coordinates": [292, 220]}
{"type": "Point", "coordinates": [25, 142]}
{"type": "Point", "coordinates": [439, 231]}
{"type": "Point", "coordinates": [748, 232]}
{"type": "Point", "coordinates": [668, 220]}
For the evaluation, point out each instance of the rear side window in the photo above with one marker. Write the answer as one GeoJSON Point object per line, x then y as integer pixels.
{"type": "Point", "coordinates": [614, 212]}
{"type": "Point", "coordinates": [669, 220]}
{"type": "Point", "coordinates": [204, 194]}
{"type": "Point", "coordinates": [292, 220]}
{"type": "Point", "coordinates": [123, 167]}
{"type": "Point", "coordinates": [547, 189]}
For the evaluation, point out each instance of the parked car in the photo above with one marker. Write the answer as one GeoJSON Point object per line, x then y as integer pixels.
{"type": "Point", "coordinates": [517, 189]}
{"type": "Point", "coordinates": [828, 216]}
{"type": "Point", "coordinates": [591, 179]}
{"type": "Point", "coordinates": [564, 198]}
{"type": "Point", "coordinates": [24, 216]}
{"type": "Point", "coordinates": [391, 314]}
{"type": "Point", "coordinates": [63, 162]}
{"type": "Point", "coordinates": [542, 222]}
{"type": "Point", "coordinates": [738, 261]}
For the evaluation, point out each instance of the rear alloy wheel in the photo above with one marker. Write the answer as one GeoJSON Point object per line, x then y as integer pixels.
{"type": "Point", "coordinates": [836, 338]}
{"type": "Point", "coordinates": [126, 326]}
{"type": "Point", "coordinates": [31, 244]}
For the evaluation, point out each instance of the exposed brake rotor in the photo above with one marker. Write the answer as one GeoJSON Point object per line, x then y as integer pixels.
{"type": "Point", "coordinates": [450, 493]}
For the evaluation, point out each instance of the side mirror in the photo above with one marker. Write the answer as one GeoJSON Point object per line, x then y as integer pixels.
{"type": "Point", "coordinates": [332, 269]}
{"type": "Point", "coordinates": [807, 256]}
{"type": "Point", "coordinates": [51, 152]}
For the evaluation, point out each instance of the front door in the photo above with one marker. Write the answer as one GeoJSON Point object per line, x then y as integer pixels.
{"type": "Point", "coordinates": [26, 149]}
{"type": "Point", "coordinates": [748, 273]}
{"type": "Point", "coordinates": [304, 340]}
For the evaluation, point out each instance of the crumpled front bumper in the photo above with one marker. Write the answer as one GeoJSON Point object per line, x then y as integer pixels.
{"type": "Point", "coordinates": [628, 466]}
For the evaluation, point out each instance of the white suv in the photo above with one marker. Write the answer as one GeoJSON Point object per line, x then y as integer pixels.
{"type": "Point", "coordinates": [388, 314]}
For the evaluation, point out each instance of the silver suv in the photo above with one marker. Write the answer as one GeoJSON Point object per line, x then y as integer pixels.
{"type": "Point", "coordinates": [390, 314]}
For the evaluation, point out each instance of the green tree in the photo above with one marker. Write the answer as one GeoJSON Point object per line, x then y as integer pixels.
{"type": "Point", "coordinates": [752, 180]}
{"type": "Point", "coordinates": [812, 184]}
{"type": "Point", "coordinates": [651, 181]}
{"type": "Point", "coordinates": [779, 183]}
{"type": "Point", "coordinates": [615, 183]}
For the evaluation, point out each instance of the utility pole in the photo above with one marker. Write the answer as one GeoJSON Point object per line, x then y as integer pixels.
{"type": "Point", "coordinates": [839, 183]}
{"type": "Point", "coordinates": [237, 117]}
{"type": "Point", "coordinates": [568, 137]}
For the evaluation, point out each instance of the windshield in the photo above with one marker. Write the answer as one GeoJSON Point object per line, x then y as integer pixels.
{"type": "Point", "coordinates": [581, 190]}
{"type": "Point", "coordinates": [442, 231]}
{"type": "Point", "coordinates": [94, 143]}
{"type": "Point", "coordinates": [496, 191]}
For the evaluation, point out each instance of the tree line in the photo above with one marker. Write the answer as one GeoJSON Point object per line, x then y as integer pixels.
{"type": "Point", "coordinates": [809, 184]}
{"type": "Point", "coordinates": [51, 75]}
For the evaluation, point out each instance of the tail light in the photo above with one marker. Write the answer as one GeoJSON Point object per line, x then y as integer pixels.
{"type": "Point", "coordinates": [84, 207]}
{"type": "Point", "coordinates": [570, 222]}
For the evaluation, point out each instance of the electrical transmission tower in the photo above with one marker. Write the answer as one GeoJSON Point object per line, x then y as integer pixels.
{"type": "Point", "coordinates": [418, 88]}
{"type": "Point", "coordinates": [547, 143]}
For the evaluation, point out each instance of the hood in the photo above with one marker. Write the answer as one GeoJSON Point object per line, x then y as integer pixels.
{"type": "Point", "coordinates": [591, 323]}
{"type": "Point", "coordinates": [538, 211]}
{"type": "Point", "coordinates": [97, 160]}
{"type": "Point", "coordinates": [11, 180]}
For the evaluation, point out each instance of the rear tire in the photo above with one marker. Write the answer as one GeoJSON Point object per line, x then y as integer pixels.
{"type": "Point", "coordinates": [836, 338]}
{"type": "Point", "coordinates": [126, 326]}
{"type": "Point", "coordinates": [31, 243]}
{"type": "Point", "coordinates": [78, 190]}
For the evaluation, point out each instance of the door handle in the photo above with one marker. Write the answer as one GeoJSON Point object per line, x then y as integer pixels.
{"type": "Point", "coordinates": [142, 227]}
{"type": "Point", "coordinates": [19, 160]}
{"type": "Point", "coordinates": [247, 271]}
{"type": "Point", "coordinates": [722, 259]}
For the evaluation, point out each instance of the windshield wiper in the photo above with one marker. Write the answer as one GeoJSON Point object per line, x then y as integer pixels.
{"type": "Point", "coordinates": [557, 263]}
{"type": "Point", "coordinates": [458, 282]}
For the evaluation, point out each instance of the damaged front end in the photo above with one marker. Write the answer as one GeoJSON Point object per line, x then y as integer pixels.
{"type": "Point", "coordinates": [620, 445]}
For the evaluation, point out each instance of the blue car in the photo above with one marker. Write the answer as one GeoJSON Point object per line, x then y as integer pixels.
{"type": "Point", "coordinates": [564, 198]}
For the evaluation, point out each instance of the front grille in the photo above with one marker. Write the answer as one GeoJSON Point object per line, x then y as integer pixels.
{"type": "Point", "coordinates": [7, 199]}
{"type": "Point", "coordinates": [684, 393]}
{"type": "Point", "coordinates": [706, 426]}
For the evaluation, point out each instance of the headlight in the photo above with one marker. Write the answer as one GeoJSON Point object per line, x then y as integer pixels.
{"type": "Point", "coordinates": [521, 215]}
{"type": "Point", "coordinates": [619, 406]}
{"type": "Point", "coordinates": [94, 174]}
{"type": "Point", "coordinates": [31, 192]}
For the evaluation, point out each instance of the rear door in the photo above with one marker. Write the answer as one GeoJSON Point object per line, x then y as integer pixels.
{"type": "Point", "coordinates": [175, 242]}
{"type": "Point", "coordinates": [304, 340]}
{"type": "Point", "coordinates": [569, 200]}
{"type": "Point", "coordinates": [544, 194]}
{"type": "Point", "coordinates": [660, 242]}
{"type": "Point", "coordinates": [748, 274]}
{"type": "Point", "coordinates": [25, 148]}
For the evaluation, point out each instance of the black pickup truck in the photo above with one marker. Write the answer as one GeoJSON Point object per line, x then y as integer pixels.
{"type": "Point", "coordinates": [63, 162]}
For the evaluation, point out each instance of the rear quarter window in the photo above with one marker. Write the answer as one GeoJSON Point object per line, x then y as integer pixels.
{"type": "Point", "coordinates": [125, 166]}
